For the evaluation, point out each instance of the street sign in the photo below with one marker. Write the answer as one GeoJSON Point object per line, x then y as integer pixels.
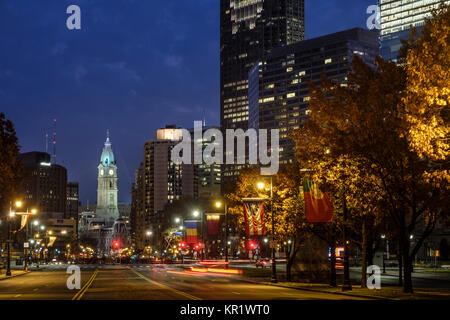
{"type": "Point", "coordinates": [26, 245]}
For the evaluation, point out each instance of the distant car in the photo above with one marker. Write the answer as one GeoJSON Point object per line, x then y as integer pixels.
{"type": "Point", "coordinates": [264, 262]}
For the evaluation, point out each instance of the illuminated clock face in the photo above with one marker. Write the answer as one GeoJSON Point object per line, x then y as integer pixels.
{"type": "Point", "coordinates": [111, 172]}
{"type": "Point", "coordinates": [102, 172]}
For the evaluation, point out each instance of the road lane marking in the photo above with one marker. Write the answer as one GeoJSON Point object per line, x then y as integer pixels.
{"type": "Point", "coordinates": [83, 290]}
{"type": "Point", "coordinates": [186, 295]}
{"type": "Point", "coordinates": [235, 292]}
{"type": "Point", "coordinates": [17, 295]}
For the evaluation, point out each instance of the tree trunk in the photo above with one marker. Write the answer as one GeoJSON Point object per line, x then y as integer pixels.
{"type": "Point", "coordinates": [364, 255]}
{"type": "Point", "coordinates": [400, 264]}
{"type": "Point", "coordinates": [333, 282]}
{"type": "Point", "coordinates": [407, 267]}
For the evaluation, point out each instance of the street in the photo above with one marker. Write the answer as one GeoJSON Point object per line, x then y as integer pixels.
{"type": "Point", "coordinates": [147, 282]}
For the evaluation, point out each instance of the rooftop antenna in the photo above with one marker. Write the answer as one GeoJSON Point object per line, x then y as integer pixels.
{"type": "Point", "coordinates": [54, 141]}
{"type": "Point", "coordinates": [46, 142]}
{"type": "Point", "coordinates": [204, 118]}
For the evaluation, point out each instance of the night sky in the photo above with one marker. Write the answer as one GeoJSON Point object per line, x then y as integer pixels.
{"type": "Point", "coordinates": [135, 66]}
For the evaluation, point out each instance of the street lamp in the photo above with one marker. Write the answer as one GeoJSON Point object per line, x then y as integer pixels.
{"type": "Point", "coordinates": [219, 205]}
{"type": "Point", "coordinates": [261, 186]}
{"type": "Point", "coordinates": [198, 214]}
{"type": "Point", "coordinates": [177, 220]}
{"type": "Point", "coordinates": [12, 214]}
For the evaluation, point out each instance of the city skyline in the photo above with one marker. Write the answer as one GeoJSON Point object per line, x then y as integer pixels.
{"type": "Point", "coordinates": [144, 76]}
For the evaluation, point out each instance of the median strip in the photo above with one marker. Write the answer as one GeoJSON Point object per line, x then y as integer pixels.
{"type": "Point", "coordinates": [83, 290]}
{"type": "Point", "coordinates": [186, 295]}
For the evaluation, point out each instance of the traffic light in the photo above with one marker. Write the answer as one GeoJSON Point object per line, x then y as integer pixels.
{"type": "Point", "coordinates": [116, 244]}
{"type": "Point", "coordinates": [251, 245]}
{"type": "Point", "coordinates": [182, 245]}
{"type": "Point", "coordinates": [198, 246]}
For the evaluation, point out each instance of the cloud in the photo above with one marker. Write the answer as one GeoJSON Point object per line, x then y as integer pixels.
{"type": "Point", "coordinates": [59, 48]}
{"type": "Point", "coordinates": [173, 60]}
{"type": "Point", "coordinates": [80, 73]}
{"type": "Point", "coordinates": [123, 70]}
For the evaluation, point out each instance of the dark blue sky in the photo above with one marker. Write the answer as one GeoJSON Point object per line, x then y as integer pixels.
{"type": "Point", "coordinates": [135, 66]}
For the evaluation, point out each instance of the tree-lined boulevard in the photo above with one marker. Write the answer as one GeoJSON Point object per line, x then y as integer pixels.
{"type": "Point", "coordinates": [178, 282]}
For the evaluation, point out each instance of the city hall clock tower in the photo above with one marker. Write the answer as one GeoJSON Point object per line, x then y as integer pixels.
{"type": "Point", "coordinates": [107, 184]}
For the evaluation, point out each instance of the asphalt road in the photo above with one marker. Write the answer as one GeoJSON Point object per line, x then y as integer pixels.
{"type": "Point", "coordinates": [155, 282]}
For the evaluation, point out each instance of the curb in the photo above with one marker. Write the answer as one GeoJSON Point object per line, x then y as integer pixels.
{"type": "Point", "coordinates": [320, 291]}
{"type": "Point", "coordinates": [13, 276]}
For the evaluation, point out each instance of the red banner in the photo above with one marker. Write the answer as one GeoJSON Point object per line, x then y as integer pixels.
{"type": "Point", "coordinates": [318, 205]}
{"type": "Point", "coordinates": [213, 224]}
{"type": "Point", "coordinates": [254, 218]}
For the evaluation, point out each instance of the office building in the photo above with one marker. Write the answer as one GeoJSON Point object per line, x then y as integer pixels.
{"type": "Point", "coordinates": [45, 185]}
{"type": "Point", "coordinates": [396, 18]}
{"type": "Point", "coordinates": [278, 86]}
{"type": "Point", "coordinates": [249, 30]}
{"type": "Point", "coordinates": [158, 182]}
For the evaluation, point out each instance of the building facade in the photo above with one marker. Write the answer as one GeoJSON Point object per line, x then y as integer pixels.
{"type": "Point", "coordinates": [107, 191]}
{"type": "Point", "coordinates": [396, 18]}
{"type": "Point", "coordinates": [96, 224]}
{"type": "Point", "coordinates": [278, 87]}
{"type": "Point", "coordinates": [158, 182]}
{"type": "Point", "coordinates": [250, 29]}
{"type": "Point", "coordinates": [45, 185]}
{"type": "Point", "coordinates": [73, 200]}
{"type": "Point", "coordinates": [207, 177]}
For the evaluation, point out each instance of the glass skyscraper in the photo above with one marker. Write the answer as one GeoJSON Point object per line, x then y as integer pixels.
{"type": "Point", "coordinates": [250, 29]}
{"type": "Point", "coordinates": [396, 18]}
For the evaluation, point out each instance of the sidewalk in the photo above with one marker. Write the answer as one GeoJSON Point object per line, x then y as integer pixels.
{"type": "Point", "coordinates": [14, 273]}
{"type": "Point", "coordinates": [386, 293]}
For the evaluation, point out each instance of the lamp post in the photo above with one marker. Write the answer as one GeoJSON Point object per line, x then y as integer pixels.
{"type": "Point", "coordinates": [347, 283]}
{"type": "Point", "coordinates": [196, 214]}
{"type": "Point", "coordinates": [274, 264]}
{"type": "Point", "coordinates": [218, 205]}
{"type": "Point", "coordinates": [18, 204]}
{"type": "Point", "coordinates": [384, 252]}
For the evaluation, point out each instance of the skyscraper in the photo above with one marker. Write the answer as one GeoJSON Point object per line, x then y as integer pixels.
{"type": "Point", "coordinates": [159, 181]}
{"type": "Point", "coordinates": [278, 87]}
{"type": "Point", "coordinates": [396, 18]}
{"type": "Point", "coordinates": [45, 185]}
{"type": "Point", "coordinates": [249, 29]}
{"type": "Point", "coordinates": [72, 201]}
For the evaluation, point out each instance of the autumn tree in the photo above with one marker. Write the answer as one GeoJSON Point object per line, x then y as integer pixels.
{"type": "Point", "coordinates": [354, 141]}
{"type": "Point", "coordinates": [288, 205]}
{"type": "Point", "coordinates": [427, 99]}
{"type": "Point", "coordinates": [11, 170]}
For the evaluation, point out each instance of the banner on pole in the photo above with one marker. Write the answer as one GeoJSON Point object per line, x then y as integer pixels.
{"type": "Point", "coordinates": [191, 232]}
{"type": "Point", "coordinates": [213, 224]}
{"type": "Point", "coordinates": [254, 217]}
{"type": "Point", "coordinates": [318, 204]}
